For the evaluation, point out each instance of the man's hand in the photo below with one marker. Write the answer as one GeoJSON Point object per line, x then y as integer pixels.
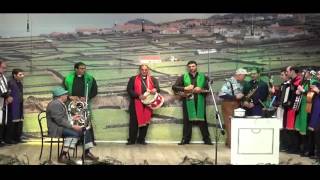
{"type": "Point", "coordinates": [272, 90]}
{"type": "Point", "coordinates": [9, 100]}
{"type": "Point", "coordinates": [239, 96]}
{"type": "Point", "coordinates": [251, 105]}
{"type": "Point", "coordinates": [83, 99]}
{"type": "Point", "coordinates": [142, 97]}
{"type": "Point", "coordinates": [298, 92]}
{"type": "Point", "coordinates": [315, 89]}
{"type": "Point", "coordinates": [188, 88]}
{"type": "Point", "coordinates": [300, 88]}
{"type": "Point", "coordinates": [74, 98]}
{"type": "Point", "coordinates": [197, 90]}
{"type": "Point", "coordinates": [248, 105]}
{"type": "Point", "coordinates": [77, 128]}
{"type": "Point", "coordinates": [76, 117]}
{"type": "Point", "coordinates": [153, 91]}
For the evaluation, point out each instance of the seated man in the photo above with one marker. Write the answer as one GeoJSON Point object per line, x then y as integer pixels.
{"type": "Point", "coordinates": [59, 125]}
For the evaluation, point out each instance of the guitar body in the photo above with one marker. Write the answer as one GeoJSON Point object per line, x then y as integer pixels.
{"type": "Point", "coordinates": [185, 93]}
{"type": "Point", "coordinates": [189, 93]}
{"type": "Point", "coordinates": [309, 101]}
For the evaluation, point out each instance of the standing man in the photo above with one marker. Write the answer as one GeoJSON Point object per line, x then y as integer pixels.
{"type": "Point", "coordinates": [194, 105]}
{"type": "Point", "coordinates": [15, 109]}
{"type": "Point", "coordinates": [5, 99]}
{"type": "Point", "coordinates": [231, 94]}
{"type": "Point", "coordinates": [293, 135]}
{"type": "Point", "coordinates": [60, 124]}
{"type": "Point", "coordinates": [314, 124]}
{"type": "Point", "coordinates": [140, 114]}
{"type": "Point", "coordinates": [303, 117]}
{"type": "Point", "coordinates": [283, 103]}
{"type": "Point", "coordinates": [76, 83]}
{"type": "Point", "coordinates": [253, 104]}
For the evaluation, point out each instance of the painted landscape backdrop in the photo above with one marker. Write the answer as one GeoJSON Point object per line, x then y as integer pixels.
{"type": "Point", "coordinates": [220, 43]}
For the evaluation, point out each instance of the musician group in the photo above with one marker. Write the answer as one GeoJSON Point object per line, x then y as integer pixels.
{"type": "Point", "coordinates": [68, 115]}
{"type": "Point", "coordinates": [298, 100]}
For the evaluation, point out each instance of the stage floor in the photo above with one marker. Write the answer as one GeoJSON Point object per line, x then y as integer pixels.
{"type": "Point", "coordinates": [153, 154]}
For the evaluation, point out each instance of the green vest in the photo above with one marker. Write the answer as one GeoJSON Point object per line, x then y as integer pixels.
{"type": "Point", "coordinates": [193, 114]}
{"type": "Point", "coordinates": [88, 79]}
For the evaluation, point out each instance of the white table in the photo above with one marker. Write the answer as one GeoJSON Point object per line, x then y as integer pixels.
{"type": "Point", "coordinates": [255, 140]}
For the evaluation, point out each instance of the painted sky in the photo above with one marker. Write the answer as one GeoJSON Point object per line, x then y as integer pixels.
{"type": "Point", "coordinates": [16, 24]}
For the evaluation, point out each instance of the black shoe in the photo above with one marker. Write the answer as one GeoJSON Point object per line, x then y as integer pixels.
{"type": "Point", "coordinates": [63, 158]}
{"type": "Point", "coordinates": [208, 143]}
{"type": "Point", "coordinates": [183, 142]}
{"type": "Point", "coordinates": [315, 157]}
{"type": "Point", "coordinates": [142, 142]}
{"type": "Point", "coordinates": [90, 156]}
{"type": "Point", "coordinates": [284, 149]}
{"type": "Point", "coordinates": [22, 141]}
{"type": "Point", "coordinates": [306, 154]}
{"type": "Point", "coordinates": [130, 143]}
{"type": "Point", "coordinates": [2, 144]}
{"type": "Point", "coordinates": [293, 152]}
{"type": "Point", "coordinates": [11, 142]}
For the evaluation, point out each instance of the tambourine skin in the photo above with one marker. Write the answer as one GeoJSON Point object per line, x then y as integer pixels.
{"type": "Point", "coordinates": [157, 103]}
{"type": "Point", "coordinates": [150, 98]}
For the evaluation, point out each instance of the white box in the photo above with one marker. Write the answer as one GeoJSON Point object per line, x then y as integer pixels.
{"type": "Point", "coordinates": [255, 140]}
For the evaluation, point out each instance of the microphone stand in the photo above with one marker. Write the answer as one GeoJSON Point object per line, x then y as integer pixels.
{"type": "Point", "coordinates": [218, 120]}
{"type": "Point", "coordinates": [85, 124]}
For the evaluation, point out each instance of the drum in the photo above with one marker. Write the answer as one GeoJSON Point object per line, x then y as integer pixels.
{"type": "Point", "coordinates": [153, 101]}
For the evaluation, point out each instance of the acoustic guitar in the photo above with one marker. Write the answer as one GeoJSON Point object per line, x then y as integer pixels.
{"type": "Point", "coordinates": [310, 95]}
{"type": "Point", "coordinates": [189, 93]}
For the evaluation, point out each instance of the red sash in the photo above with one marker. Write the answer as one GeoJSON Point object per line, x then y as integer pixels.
{"type": "Point", "coordinates": [143, 112]}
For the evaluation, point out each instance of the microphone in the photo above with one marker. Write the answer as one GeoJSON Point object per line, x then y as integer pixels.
{"type": "Point", "coordinates": [28, 28]}
{"type": "Point", "coordinates": [222, 132]}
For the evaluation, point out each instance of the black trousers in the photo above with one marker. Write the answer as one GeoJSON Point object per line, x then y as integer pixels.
{"type": "Point", "coordinates": [13, 131]}
{"type": "Point", "coordinates": [187, 130]}
{"type": "Point", "coordinates": [308, 142]}
{"type": "Point", "coordinates": [294, 141]}
{"type": "Point", "coordinates": [92, 135]}
{"type": "Point", "coordinates": [137, 134]}
{"type": "Point", "coordinates": [2, 131]}
{"type": "Point", "coordinates": [284, 142]}
{"type": "Point", "coordinates": [3, 126]}
{"type": "Point", "coordinates": [317, 142]}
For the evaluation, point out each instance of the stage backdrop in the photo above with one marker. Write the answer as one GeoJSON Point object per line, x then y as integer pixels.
{"type": "Point", "coordinates": [47, 46]}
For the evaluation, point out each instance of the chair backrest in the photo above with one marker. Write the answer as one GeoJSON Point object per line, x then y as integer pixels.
{"type": "Point", "coordinates": [42, 117]}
